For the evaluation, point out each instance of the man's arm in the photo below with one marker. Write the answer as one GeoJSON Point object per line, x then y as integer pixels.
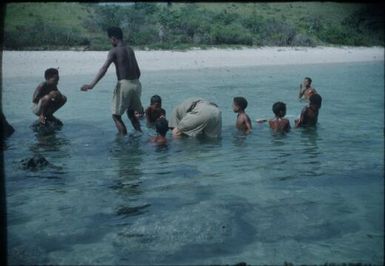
{"type": "Point", "coordinates": [301, 91]}
{"type": "Point", "coordinates": [136, 65]}
{"type": "Point", "coordinates": [247, 124]}
{"type": "Point", "coordinates": [101, 73]}
{"type": "Point", "coordinates": [133, 61]}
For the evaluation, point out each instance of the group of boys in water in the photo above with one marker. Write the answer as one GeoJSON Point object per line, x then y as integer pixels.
{"type": "Point", "coordinates": [192, 117]}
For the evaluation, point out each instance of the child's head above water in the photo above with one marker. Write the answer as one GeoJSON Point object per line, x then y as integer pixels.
{"type": "Point", "coordinates": [161, 126]}
{"type": "Point", "coordinates": [316, 100]}
{"type": "Point", "coordinates": [156, 100]}
{"type": "Point", "coordinates": [240, 102]}
{"type": "Point", "coordinates": [279, 109]}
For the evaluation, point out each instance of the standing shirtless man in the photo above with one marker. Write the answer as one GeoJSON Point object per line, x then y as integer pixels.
{"type": "Point", "coordinates": [128, 90]}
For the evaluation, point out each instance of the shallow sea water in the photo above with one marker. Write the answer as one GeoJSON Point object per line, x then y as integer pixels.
{"type": "Point", "coordinates": [307, 197]}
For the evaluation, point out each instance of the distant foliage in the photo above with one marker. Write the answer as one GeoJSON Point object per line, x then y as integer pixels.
{"type": "Point", "coordinates": [183, 25]}
{"type": "Point", "coordinates": [43, 35]}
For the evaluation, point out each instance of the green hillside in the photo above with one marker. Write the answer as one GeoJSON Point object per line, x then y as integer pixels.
{"type": "Point", "coordinates": [59, 25]}
{"type": "Point", "coordinates": [64, 14]}
{"type": "Point", "coordinates": [44, 25]}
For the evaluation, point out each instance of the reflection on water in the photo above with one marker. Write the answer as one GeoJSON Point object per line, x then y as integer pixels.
{"type": "Point", "coordinates": [50, 143]}
{"type": "Point", "coordinates": [53, 148]}
{"type": "Point", "coordinates": [238, 138]}
{"type": "Point", "coordinates": [312, 155]}
{"type": "Point", "coordinates": [127, 154]}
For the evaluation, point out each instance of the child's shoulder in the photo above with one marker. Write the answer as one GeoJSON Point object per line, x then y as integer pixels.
{"type": "Point", "coordinates": [243, 114]}
{"type": "Point", "coordinates": [42, 84]}
{"type": "Point", "coordinates": [242, 117]}
{"type": "Point", "coordinates": [41, 87]}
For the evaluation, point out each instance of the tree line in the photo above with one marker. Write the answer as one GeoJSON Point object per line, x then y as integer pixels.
{"type": "Point", "coordinates": [178, 26]}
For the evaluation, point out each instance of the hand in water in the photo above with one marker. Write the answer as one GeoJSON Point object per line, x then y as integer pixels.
{"type": "Point", "coordinates": [261, 120]}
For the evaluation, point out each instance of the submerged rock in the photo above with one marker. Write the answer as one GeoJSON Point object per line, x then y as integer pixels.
{"type": "Point", "coordinates": [128, 211]}
{"type": "Point", "coordinates": [37, 162]}
{"type": "Point", "coordinates": [49, 126]}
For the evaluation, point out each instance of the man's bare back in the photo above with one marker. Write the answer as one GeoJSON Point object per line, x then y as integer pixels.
{"type": "Point", "coordinates": [125, 62]}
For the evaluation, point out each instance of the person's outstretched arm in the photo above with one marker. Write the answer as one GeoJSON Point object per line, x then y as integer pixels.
{"type": "Point", "coordinates": [101, 73]}
{"type": "Point", "coordinates": [301, 90]}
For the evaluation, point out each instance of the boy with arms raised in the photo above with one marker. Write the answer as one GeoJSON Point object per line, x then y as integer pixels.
{"type": "Point", "coordinates": [309, 114]}
{"type": "Point", "coordinates": [305, 89]}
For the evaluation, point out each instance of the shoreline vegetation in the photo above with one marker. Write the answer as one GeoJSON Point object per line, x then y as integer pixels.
{"type": "Point", "coordinates": [186, 26]}
{"type": "Point", "coordinates": [190, 48]}
{"type": "Point", "coordinates": [72, 62]}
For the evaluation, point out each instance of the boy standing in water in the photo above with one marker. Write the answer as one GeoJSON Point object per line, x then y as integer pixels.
{"type": "Point", "coordinates": [47, 98]}
{"type": "Point", "coordinates": [128, 89]}
{"type": "Point", "coordinates": [305, 89]}
{"type": "Point", "coordinates": [309, 114]}
{"type": "Point", "coordinates": [279, 123]}
{"type": "Point", "coordinates": [243, 122]}
{"type": "Point", "coordinates": [155, 110]}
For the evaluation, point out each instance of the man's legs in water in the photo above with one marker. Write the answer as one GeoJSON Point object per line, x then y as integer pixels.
{"type": "Point", "coordinates": [134, 120]}
{"type": "Point", "coordinates": [119, 124]}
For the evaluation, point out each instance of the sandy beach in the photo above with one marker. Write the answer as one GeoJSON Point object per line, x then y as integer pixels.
{"type": "Point", "coordinates": [33, 63]}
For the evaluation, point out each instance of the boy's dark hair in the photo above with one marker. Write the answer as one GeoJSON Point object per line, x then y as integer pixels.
{"type": "Point", "coordinates": [309, 79]}
{"type": "Point", "coordinates": [279, 109]}
{"type": "Point", "coordinates": [316, 99]}
{"type": "Point", "coordinates": [156, 99]}
{"type": "Point", "coordinates": [241, 102]}
{"type": "Point", "coordinates": [50, 72]}
{"type": "Point", "coordinates": [115, 32]}
{"type": "Point", "coordinates": [161, 126]}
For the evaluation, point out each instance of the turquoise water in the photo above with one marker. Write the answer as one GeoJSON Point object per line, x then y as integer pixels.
{"type": "Point", "coordinates": [308, 197]}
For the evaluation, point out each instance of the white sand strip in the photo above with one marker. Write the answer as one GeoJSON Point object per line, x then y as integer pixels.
{"type": "Point", "coordinates": [33, 63]}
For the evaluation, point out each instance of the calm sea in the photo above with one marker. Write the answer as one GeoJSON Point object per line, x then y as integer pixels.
{"type": "Point", "coordinates": [307, 197]}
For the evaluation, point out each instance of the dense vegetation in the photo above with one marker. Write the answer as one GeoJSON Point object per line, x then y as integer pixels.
{"type": "Point", "coordinates": [59, 25]}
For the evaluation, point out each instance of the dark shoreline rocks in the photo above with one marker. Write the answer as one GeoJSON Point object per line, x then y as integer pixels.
{"type": "Point", "coordinates": [37, 162]}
